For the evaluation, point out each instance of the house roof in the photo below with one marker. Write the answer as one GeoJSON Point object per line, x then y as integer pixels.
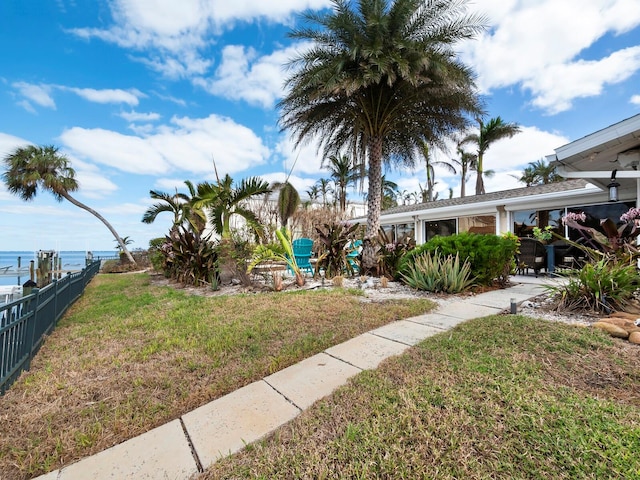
{"type": "Point", "coordinates": [600, 151]}
{"type": "Point", "coordinates": [550, 188]}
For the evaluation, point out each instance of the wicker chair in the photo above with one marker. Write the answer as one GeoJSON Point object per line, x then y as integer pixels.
{"type": "Point", "coordinates": [532, 255]}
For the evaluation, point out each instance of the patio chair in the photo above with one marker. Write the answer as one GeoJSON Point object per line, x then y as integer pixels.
{"type": "Point", "coordinates": [353, 251]}
{"type": "Point", "coordinates": [532, 255]}
{"type": "Point", "coordinates": [302, 251]}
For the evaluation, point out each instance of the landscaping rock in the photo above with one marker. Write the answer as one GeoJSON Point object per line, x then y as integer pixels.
{"type": "Point", "coordinates": [628, 325]}
{"type": "Point", "coordinates": [612, 329]}
{"type": "Point", "coordinates": [635, 338]}
{"type": "Point", "coordinates": [626, 315]}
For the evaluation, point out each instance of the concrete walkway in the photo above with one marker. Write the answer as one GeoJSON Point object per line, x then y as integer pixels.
{"type": "Point", "coordinates": [193, 442]}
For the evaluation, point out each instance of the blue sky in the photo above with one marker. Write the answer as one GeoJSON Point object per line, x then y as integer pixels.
{"type": "Point", "coordinates": [142, 94]}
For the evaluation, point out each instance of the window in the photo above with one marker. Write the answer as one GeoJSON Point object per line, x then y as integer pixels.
{"type": "Point", "coordinates": [444, 228]}
{"type": "Point", "coordinates": [595, 213]}
{"type": "Point", "coordinates": [478, 224]}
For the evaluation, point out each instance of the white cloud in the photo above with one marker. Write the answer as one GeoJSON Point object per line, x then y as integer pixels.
{"type": "Point", "coordinates": [529, 42]}
{"type": "Point", "coordinates": [8, 143]}
{"type": "Point", "coordinates": [130, 97]}
{"type": "Point", "coordinates": [561, 84]}
{"type": "Point", "coordinates": [303, 159]}
{"type": "Point", "coordinates": [173, 34]}
{"type": "Point", "coordinates": [186, 144]}
{"type": "Point", "coordinates": [242, 75]}
{"type": "Point", "coordinates": [635, 99]}
{"type": "Point", "coordinates": [38, 94]}
{"type": "Point", "coordinates": [134, 116]}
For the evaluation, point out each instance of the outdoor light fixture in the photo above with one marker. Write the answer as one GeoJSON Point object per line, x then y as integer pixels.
{"type": "Point", "coordinates": [613, 187]}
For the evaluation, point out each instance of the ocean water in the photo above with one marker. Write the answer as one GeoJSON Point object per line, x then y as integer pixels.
{"type": "Point", "coordinates": [71, 261]}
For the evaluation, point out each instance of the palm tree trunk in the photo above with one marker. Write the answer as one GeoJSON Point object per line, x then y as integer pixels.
{"type": "Point", "coordinates": [479, 177]}
{"type": "Point", "coordinates": [462, 183]}
{"type": "Point", "coordinates": [103, 220]}
{"type": "Point", "coordinates": [369, 257]}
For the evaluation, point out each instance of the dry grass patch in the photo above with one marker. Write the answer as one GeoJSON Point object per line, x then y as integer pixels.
{"type": "Point", "coordinates": [130, 356]}
{"type": "Point", "coordinates": [486, 400]}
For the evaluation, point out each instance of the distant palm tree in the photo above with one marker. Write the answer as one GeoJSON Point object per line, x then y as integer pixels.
{"type": "Point", "coordinates": [313, 193]}
{"type": "Point", "coordinates": [466, 162]}
{"type": "Point", "coordinates": [28, 168]}
{"type": "Point", "coordinates": [324, 187]}
{"type": "Point", "coordinates": [380, 77]}
{"type": "Point", "coordinates": [544, 172]}
{"type": "Point", "coordinates": [343, 173]}
{"type": "Point", "coordinates": [489, 133]}
{"type": "Point", "coordinates": [427, 194]}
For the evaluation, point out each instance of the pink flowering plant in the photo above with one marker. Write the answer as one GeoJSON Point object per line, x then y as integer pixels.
{"type": "Point", "coordinates": [617, 240]}
{"type": "Point", "coordinates": [390, 252]}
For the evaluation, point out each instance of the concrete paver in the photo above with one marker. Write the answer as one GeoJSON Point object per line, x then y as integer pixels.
{"type": "Point", "coordinates": [406, 332]}
{"type": "Point", "coordinates": [162, 453]}
{"type": "Point", "coordinates": [464, 310]}
{"type": "Point", "coordinates": [366, 351]}
{"type": "Point", "coordinates": [311, 379]}
{"type": "Point", "coordinates": [227, 424]}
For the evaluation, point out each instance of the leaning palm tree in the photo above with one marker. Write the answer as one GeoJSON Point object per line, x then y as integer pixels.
{"type": "Point", "coordinates": [28, 168]}
{"type": "Point", "coordinates": [343, 173]}
{"type": "Point", "coordinates": [490, 132]}
{"type": "Point", "coordinates": [380, 77]}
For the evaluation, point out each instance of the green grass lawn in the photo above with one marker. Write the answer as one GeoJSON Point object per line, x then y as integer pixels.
{"type": "Point", "coordinates": [129, 356]}
{"type": "Point", "coordinates": [498, 397]}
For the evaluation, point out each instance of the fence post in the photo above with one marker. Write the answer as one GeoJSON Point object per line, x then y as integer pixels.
{"type": "Point", "coordinates": [32, 311]}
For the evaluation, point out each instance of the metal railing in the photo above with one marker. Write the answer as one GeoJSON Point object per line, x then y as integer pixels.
{"type": "Point", "coordinates": [24, 322]}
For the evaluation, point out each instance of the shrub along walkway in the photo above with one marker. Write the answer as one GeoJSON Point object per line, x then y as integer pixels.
{"type": "Point", "coordinates": [193, 442]}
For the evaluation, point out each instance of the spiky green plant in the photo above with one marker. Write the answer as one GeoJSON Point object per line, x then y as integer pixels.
{"type": "Point", "coordinates": [434, 272]}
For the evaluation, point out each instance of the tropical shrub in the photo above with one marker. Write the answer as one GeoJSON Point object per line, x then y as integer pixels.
{"type": "Point", "coordinates": [600, 286]}
{"type": "Point", "coordinates": [391, 253]}
{"type": "Point", "coordinates": [617, 242]}
{"type": "Point", "coordinates": [490, 256]}
{"type": "Point", "coordinates": [332, 254]}
{"type": "Point", "coordinates": [434, 272]}
{"type": "Point", "coordinates": [156, 257]}
{"type": "Point", "coordinates": [190, 258]}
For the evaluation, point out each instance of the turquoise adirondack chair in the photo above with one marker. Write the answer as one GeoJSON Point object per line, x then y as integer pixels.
{"type": "Point", "coordinates": [353, 250]}
{"type": "Point", "coordinates": [302, 251]}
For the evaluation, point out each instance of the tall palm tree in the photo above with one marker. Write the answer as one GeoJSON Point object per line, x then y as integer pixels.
{"type": "Point", "coordinates": [222, 200]}
{"type": "Point", "coordinates": [32, 167]}
{"type": "Point", "coordinates": [490, 132]}
{"type": "Point", "coordinates": [180, 205]}
{"type": "Point", "coordinates": [466, 162]}
{"type": "Point", "coordinates": [427, 193]}
{"type": "Point", "coordinates": [380, 77]}
{"type": "Point", "coordinates": [343, 173]}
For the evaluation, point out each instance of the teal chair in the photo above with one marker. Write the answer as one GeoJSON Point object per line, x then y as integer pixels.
{"type": "Point", "coordinates": [302, 251]}
{"type": "Point", "coordinates": [353, 250]}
